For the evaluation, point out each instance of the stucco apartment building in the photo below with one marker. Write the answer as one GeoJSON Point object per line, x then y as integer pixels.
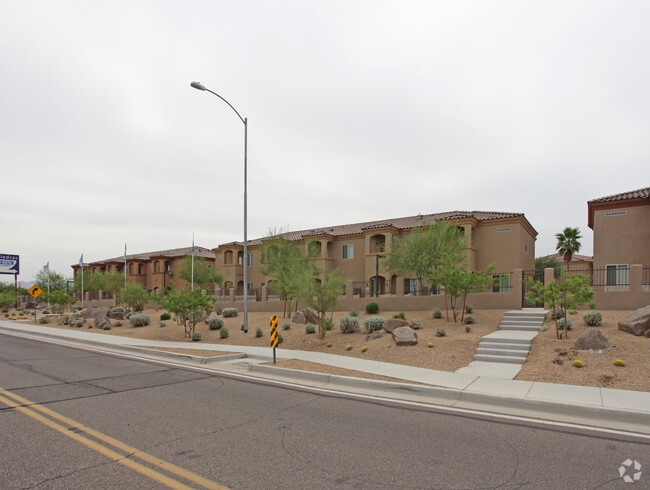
{"type": "Point", "coordinates": [154, 270]}
{"type": "Point", "coordinates": [356, 250]}
{"type": "Point", "coordinates": [621, 226]}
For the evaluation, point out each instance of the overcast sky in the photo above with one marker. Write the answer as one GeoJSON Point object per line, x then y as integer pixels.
{"type": "Point", "coordinates": [358, 111]}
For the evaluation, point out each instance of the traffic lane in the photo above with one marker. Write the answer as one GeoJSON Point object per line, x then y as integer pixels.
{"type": "Point", "coordinates": [245, 434]}
{"type": "Point", "coordinates": [35, 456]}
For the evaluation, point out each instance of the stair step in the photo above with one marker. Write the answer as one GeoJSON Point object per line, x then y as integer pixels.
{"type": "Point", "coordinates": [505, 346]}
{"type": "Point", "coordinates": [505, 341]}
{"type": "Point", "coordinates": [492, 358]}
{"type": "Point", "coordinates": [527, 328]}
{"type": "Point", "coordinates": [502, 352]}
{"type": "Point", "coordinates": [522, 320]}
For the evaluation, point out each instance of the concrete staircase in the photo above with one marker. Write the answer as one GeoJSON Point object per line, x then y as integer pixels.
{"type": "Point", "coordinates": [511, 343]}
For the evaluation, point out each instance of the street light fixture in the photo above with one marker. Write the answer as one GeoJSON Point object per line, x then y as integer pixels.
{"type": "Point", "coordinates": [198, 86]}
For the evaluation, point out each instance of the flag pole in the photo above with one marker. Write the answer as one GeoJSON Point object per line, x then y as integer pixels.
{"type": "Point", "coordinates": [81, 263]}
{"type": "Point", "coordinates": [192, 286]}
{"type": "Point", "coordinates": [48, 283]}
{"type": "Point", "coordinates": [125, 267]}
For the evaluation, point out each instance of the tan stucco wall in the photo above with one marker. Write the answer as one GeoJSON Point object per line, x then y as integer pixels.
{"type": "Point", "coordinates": [622, 239]}
{"type": "Point", "coordinates": [504, 248]}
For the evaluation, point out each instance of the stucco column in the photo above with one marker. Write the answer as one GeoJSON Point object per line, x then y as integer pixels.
{"type": "Point", "coordinates": [469, 247]}
{"type": "Point", "coordinates": [549, 275]}
{"type": "Point", "coordinates": [636, 277]}
{"type": "Point", "coordinates": [264, 294]}
{"type": "Point", "coordinates": [516, 288]}
{"type": "Point", "coordinates": [349, 288]}
{"type": "Point", "coordinates": [399, 284]}
{"type": "Point", "coordinates": [231, 295]}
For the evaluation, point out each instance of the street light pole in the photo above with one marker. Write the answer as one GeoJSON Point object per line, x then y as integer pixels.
{"type": "Point", "coordinates": [198, 86]}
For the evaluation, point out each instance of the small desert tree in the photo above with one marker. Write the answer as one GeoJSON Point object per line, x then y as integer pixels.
{"type": "Point", "coordinates": [458, 282]}
{"type": "Point", "coordinates": [57, 281]}
{"type": "Point", "coordinates": [542, 263]}
{"type": "Point", "coordinates": [424, 250]}
{"type": "Point", "coordinates": [189, 307]}
{"type": "Point", "coordinates": [61, 299]}
{"type": "Point", "coordinates": [134, 296]}
{"type": "Point", "coordinates": [204, 272]}
{"type": "Point", "coordinates": [324, 295]}
{"type": "Point", "coordinates": [567, 297]}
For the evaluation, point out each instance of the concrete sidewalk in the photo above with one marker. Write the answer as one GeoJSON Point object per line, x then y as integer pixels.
{"type": "Point", "coordinates": [584, 405]}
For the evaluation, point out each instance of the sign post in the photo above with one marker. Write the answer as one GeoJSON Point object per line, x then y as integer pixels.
{"type": "Point", "coordinates": [35, 291]}
{"type": "Point", "coordinates": [274, 334]}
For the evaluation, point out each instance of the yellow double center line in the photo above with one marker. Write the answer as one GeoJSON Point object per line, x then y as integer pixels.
{"type": "Point", "coordinates": [79, 433]}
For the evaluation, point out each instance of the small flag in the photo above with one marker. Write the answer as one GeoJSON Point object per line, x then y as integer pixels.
{"type": "Point", "coordinates": [125, 252]}
{"type": "Point", "coordinates": [81, 260]}
{"type": "Point", "coordinates": [46, 267]}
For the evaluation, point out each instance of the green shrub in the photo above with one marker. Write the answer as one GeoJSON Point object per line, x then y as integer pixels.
{"type": "Point", "coordinates": [349, 324]}
{"type": "Point", "coordinates": [229, 312]}
{"type": "Point", "coordinates": [354, 312]}
{"type": "Point", "coordinates": [374, 323]}
{"type": "Point", "coordinates": [165, 316]}
{"type": "Point", "coordinates": [117, 309]}
{"type": "Point", "coordinates": [441, 332]}
{"type": "Point", "coordinates": [46, 312]}
{"type": "Point", "coordinates": [162, 324]}
{"type": "Point", "coordinates": [329, 323]}
{"type": "Point", "coordinates": [469, 308]}
{"type": "Point", "coordinates": [468, 329]}
{"type": "Point", "coordinates": [241, 327]}
{"type": "Point", "coordinates": [196, 336]}
{"type": "Point", "coordinates": [214, 322]}
{"type": "Point", "coordinates": [223, 332]}
{"type": "Point", "coordinates": [372, 308]}
{"type": "Point", "coordinates": [286, 326]}
{"type": "Point", "coordinates": [593, 318]}
{"type": "Point", "coordinates": [280, 339]}
{"type": "Point", "coordinates": [557, 313]}
{"type": "Point", "coordinates": [416, 324]}
{"type": "Point", "coordinates": [564, 321]}
{"type": "Point", "coordinates": [43, 320]}
{"type": "Point", "coordinates": [107, 326]}
{"type": "Point", "coordinates": [309, 328]}
{"type": "Point", "coordinates": [469, 320]}
{"type": "Point", "coordinates": [77, 322]}
{"type": "Point", "coordinates": [139, 320]}
{"type": "Point", "coordinates": [437, 313]}
{"type": "Point", "coordinates": [258, 332]}
{"type": "Point", "coordinates": [400, 315]}
{"type": "Point", "coordinates": [118, 323]}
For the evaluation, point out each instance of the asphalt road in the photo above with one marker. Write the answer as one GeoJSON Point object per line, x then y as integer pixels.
{"type": "Point", "coordinates": [248, 434]}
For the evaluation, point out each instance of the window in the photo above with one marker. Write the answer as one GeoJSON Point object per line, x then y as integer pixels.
{"type": "Point", "coordinates": [348, 251]}
{"type": "Point", "coordinates": [249, 260]}
{"type": "Point", "coordinates": [616, 213]}
{"type": "Point", "coordinates": [410, 285]}
{"type": "Point", "coordinates": [250, 286]}
{"type": "Point", "coordinates": [500, 230]}
{"type": "Point", "coordinates": [500, 283]}
{"type": "Point", "coordinates": [617, 275]}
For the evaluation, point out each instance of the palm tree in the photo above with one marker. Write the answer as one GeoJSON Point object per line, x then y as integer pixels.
{"type": "Point", "coordinates": [568, 243]}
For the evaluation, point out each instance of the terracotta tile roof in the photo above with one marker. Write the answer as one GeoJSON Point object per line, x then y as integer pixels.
{"type": "Point", "coordinates": [643, 193]}
{"type": "Point", "coordinates": [574, 258]}
{"type": "Point", "coordinates": [398, 223]}
{"type": "Point", "coordinates": [171, 253]}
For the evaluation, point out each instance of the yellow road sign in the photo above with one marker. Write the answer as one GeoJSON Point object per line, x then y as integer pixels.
{"type": "Point", "coordinates": [35, 291]}
{"type": "Point", "coordinates": [274, 331]}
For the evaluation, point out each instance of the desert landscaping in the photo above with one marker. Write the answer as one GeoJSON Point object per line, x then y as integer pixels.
{"type": "Point", "coordinates": [549, 360]}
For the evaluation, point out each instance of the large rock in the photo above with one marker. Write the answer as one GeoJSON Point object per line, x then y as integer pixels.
{"type": "Point", "coordinates": [299, 318]}
{"type": "Point", "coordinates": [593, 341]}
{"type": "Point", "coordinates": [637, 322]}
{"type": "Point", "coordinates": [405, 336]}
{"type": "Point", "coordinates": [116, 315]}
{"type": "Point", "coordinates": [377, 334]}
{"type": "Point", "coordinates": [393, 323]}
{"type": "Point", "coordinates": [311, 316]}
{"type": "Point", "coordinates": [100, 315]}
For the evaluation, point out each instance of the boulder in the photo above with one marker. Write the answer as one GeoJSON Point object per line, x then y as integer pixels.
{"type": "Point", "coordinates": [311, 316]}
{"type": "Point", "coordinates": [100, 315]}
{"type": "Point", "coordinates": [377, 334]}
{"type": "Point", "coordinates": [593, 341]}
{"type": "Point", "coordinates": [637, 322]}
{"type": "Point", "coordinates": [393, 323]}
{"type": "Point", "coordinates": [405, 336]}
{"type": "Point", "coordinates": [116, 315]}
{"type": "Point", "coordinates": [299, 318]}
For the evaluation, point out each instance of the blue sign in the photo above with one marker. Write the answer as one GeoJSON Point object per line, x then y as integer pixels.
{"type": "Point", "coordinates": [9, 264]}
